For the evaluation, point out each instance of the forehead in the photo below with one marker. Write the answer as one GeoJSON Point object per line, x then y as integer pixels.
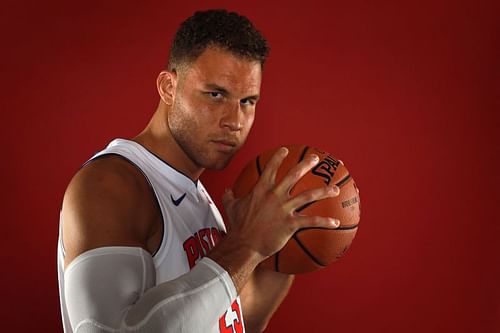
{"type": "Point", "coordinates": [234, 73]}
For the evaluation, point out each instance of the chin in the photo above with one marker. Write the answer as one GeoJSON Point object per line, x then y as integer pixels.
{"type": "Point", "coordinates": [218, 164]}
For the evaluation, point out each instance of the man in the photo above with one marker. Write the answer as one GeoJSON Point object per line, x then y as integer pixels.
{"type": "Point", "coordinates": [142, 247]}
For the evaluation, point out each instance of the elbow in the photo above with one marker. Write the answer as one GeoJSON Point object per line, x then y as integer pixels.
{"type": "Point", "coordinates": [256, 326]}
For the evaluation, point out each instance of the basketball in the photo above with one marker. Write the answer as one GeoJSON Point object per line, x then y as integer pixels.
{"type": "Point", "coordinates": [310, 249]}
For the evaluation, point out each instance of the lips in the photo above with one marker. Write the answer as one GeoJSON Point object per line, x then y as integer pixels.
{"type": "Point", "coordinates": [226, 145]}
{"type": "Point", "coordinates": [230, 143]}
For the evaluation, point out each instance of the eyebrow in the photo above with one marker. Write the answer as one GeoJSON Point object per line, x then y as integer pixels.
{"type": "Point", "coordinates": [215, 87]}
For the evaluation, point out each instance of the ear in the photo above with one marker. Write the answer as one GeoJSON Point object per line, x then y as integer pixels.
{"type": "Point", "coordinates": [166, 84]}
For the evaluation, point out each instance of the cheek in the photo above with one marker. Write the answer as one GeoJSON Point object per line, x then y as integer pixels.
{"type": "Point", "coordinates": [190, 113]}
{"type": "Point", "coordinates": [199, 111]}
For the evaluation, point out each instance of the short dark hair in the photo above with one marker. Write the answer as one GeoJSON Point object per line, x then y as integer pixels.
{"type": "Point", "coordinates": [219, 28]}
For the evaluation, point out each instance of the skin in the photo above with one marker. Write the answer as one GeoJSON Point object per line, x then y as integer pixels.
{"type": "Point", "coordinates": [204, 116]}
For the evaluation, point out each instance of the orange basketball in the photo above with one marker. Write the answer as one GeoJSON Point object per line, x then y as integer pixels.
{"type": "Point", "coordinates": [312, 248]}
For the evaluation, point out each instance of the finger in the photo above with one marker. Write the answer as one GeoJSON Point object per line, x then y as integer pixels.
{"type": "Point", "coordinates": [227, 198]}
{"type": "Point", "coordinates": [296, 173]}
{"type": "Point", "coordinates": [228, 201]}
{"type": "Point", "coordinates": [268, 176]}
{"type": "Point", "coordinates": [309, 196]}
{"type": "Point", "coordinates": [302, 221]}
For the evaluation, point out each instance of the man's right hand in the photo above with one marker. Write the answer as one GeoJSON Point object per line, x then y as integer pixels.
{"type": "Point", "coordinates": [262, 222]}
{"type": "Point", "coordinates": [266, 218]}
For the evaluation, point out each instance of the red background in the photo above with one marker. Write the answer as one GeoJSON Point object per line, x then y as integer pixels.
{"type": "Point", "coordinates": [406, 93]}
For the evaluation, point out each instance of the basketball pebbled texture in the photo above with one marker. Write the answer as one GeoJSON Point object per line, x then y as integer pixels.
{"type": "Point", "coordinates": [310, 249]}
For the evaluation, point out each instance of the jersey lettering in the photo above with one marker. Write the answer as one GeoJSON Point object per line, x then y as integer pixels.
{"type": "Point", "coordinates": [191, 251]}
{"type": "Point", "coordinates": [216, 235]}
{"type": "Point", "coordinates": [198, 245]}
{"type": "Point", "coordinates": [205, 240]}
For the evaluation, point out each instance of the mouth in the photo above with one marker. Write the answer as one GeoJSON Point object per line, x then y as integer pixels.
{"type": "Point", "coordinates": [225, 146]}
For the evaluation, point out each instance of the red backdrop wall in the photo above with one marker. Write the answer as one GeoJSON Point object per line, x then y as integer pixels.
{"type": "Point", "coordinates": [406, 93]}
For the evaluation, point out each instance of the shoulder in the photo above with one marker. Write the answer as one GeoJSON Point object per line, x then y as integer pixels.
{"type": "Point", "coordinates": [107, 203]}
{"type": "Point", "coordinates": [109, 174]}
{"type": "Point", "coordinates": [107, 180]}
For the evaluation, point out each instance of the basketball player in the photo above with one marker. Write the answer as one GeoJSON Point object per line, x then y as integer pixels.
{"type": "Point", "coordinates": [142, 247]}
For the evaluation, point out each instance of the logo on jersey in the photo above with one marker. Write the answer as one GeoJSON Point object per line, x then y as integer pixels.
{"type": "Point", "coordinates": [178, 201]}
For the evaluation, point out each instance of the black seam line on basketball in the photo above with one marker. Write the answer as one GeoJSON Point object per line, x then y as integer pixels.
{"type": "Point", "coordinates": [347, 227]}
{"type": "Point", "coordinates": [298, 210]}
{"type": "Point", "coordinates": [309, 254]}
{"type": "Point", "coordinates": [303, 153]}
{"type": "Point", "coordinates": [259, 169]}
{"type": "Point", "coordinates": [343, 181]}
{"type": "Point", "coordinates": [276, 261]}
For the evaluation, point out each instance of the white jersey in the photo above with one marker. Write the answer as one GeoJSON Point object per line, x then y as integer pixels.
{"type": "Point", "coordinates": [192, 225]}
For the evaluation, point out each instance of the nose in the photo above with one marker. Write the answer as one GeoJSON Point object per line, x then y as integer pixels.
{"type": "Point", "coordinates": [232, 117]}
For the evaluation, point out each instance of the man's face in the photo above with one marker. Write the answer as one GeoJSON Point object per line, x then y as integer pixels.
{"type": "Point", "coordinates": [214, 106]}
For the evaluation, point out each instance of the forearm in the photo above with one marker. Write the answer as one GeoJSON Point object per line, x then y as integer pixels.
{"type": "Point", "coordinates": [262, 295]}
{"type": "Point", "coordinates": [237, 259]}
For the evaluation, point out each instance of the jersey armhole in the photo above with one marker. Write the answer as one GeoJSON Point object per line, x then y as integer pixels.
{"type": "Point", "coordinates": [150, 186]}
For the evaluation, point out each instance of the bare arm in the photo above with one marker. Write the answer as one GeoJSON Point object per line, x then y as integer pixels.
{"type": "Point", "coordinates": [262, 295]}
{"type": "Point", "coordinates": [108, 203]}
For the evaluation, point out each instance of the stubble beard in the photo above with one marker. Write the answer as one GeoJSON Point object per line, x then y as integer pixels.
{"type": "Point", "coordinates": [201, 154]}
{"type": "Point", "coordinates": [203, 158]}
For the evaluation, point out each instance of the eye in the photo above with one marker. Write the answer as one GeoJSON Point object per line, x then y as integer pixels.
{"type": "Point", "coordinates": [215, 94]}
{"type": "Point", "coordinates": [247, 101]}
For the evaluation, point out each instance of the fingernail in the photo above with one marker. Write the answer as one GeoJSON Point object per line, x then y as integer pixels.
{"type": "Point", "coordinates": [335, 189]}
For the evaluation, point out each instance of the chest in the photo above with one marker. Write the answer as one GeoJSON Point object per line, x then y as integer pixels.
{"type": "Point", "coordinates": [191, 228]}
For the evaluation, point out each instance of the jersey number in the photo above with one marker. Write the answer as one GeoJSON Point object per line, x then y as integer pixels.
{"type": "Point", "coordinates": [236, 326]}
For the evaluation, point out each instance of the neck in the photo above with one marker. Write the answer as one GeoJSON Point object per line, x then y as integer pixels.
{"type": "Point", "coordinates": [158, 139]}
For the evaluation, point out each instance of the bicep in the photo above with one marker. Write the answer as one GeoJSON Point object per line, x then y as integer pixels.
{"type": "Point", "coordinates": [103, 207]}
